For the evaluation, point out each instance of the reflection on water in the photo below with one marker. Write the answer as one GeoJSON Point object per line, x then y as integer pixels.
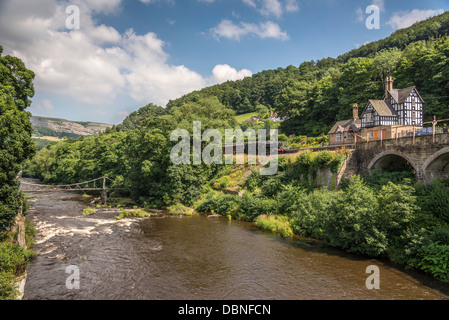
{"type": "Point", "coordinates": [196, 258]}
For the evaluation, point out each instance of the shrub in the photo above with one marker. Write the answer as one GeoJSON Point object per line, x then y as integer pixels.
{"type": "Point", "coordinates": [435, 260]}
{"type": "Point", "coordinates": [311, 212]}
{"type": "Point", "coordinates": [8, 290]}
{"type": "Point", "coordinates": [14, 258]}
{"type": "Point", "coordinates": [352, 225]}
{"type": "Point", "coordinates": [180, 209]}
{"type": "Point", "coordinates": [253, 206]}
{"type": "Point", "coordinates": [434, 198]}
{"type": "Point", "coordinates": [221, 204]}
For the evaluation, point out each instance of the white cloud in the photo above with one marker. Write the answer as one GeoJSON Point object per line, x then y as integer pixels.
{"type": "Point", "coordinates": [380, 4]}
{"type": "Point", "coordinates": [275, 8]}
{"type": "Point", "coordinates": [227, 29]}
{"type": "Point", "coordinates": [272, 7]}
{"type": "Point", "coordinates": [96, 64]}
{"type": "Point", "coordinates": [360, 15]}
{"type": "Point", "coordinates": [291, 6]}
{"type": "Point", "coordinates": [405, 19]}
{"type": "Point", "coordinates": [223, 72]}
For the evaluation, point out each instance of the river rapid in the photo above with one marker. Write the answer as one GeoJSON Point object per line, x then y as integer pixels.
{"type": "Point", "coordinates": [174, 258]}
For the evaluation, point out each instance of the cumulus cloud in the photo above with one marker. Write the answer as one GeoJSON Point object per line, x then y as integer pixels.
{"type": "Point", "coordinates": [223, 72]}
{"type": "Point", "coordinates": [227, 29]}
{"type": "Point", "coordinates": [96, 63]}
{"type": "Point", "coordinates": [405, 19]}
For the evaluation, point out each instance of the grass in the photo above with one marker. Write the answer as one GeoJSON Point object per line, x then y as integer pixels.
{"type": "Point", "coordinates": [279, 224]}
{"type": "Point", "coordinates": [245, 116]}
{"type": "Point", "coordinates": [133, 213]}
{"type": "Point", "coordinates": [180, 210]}
{"type": "Point", "coordinates": [14, 261]}
{"type": "Point", "coordinates": [89, 211]}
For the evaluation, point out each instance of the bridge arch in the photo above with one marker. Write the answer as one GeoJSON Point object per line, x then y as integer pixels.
{"type": "Point", "coordinates": [437, 165]}
{"type": "Point", "coordinates": [391, 159]}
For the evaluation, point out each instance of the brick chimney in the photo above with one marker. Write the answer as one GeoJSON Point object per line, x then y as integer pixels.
{"type": "Point", "coordinates": [355, 111]}
{"type": "Point", "coordinates": [388, 87]}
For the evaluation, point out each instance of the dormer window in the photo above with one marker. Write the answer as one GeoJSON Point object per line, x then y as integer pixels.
{"type": "Point", "coordinates": [339, 137]}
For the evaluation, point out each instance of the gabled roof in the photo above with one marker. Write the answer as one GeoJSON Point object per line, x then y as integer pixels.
{"type": "Point", "coordinates": [401, 95]}
{"type": "Point", "coordinates": [382, 108]}
{"type": "Point", "coordinates": [346, 125]}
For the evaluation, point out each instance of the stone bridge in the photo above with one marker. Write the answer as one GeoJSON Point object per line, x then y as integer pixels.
{"type": "Point", "coordinates": [427, 156]}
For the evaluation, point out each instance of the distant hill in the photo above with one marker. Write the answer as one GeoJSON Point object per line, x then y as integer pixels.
{"type": "Point", "coordinates": [47, 130]}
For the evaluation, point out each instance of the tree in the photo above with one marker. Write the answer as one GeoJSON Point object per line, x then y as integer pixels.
{"type": "Point", "coordinates": [16, 145]}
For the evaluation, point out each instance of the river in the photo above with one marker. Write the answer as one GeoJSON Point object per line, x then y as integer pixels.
{"type": "Point", "coordinates": [166, 257]}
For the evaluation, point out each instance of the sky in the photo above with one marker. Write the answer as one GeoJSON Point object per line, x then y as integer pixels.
{"type": "Point", "coordinates": [123, 54]}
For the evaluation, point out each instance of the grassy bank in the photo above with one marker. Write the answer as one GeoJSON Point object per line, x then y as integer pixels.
{"type": "Point", "coordinates": [14, 261]}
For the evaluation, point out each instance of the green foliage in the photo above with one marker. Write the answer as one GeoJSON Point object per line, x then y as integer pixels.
{"type": "Point", "coordinates": [138, 118]}
{"type": "Point", "coordinates": [40, 131]}
{"type": "Point", "coordinates": [8, 288]}
{"type": "Point", "coordinates": [221, 204]}
{"type": "Point", "coordinates": [274, 223]}
{"type": "Point", "coordinates": [311, 212]}
{"type": "Point", "coordinates": [89, 211]}
{"type": "Point", "coordinates": [180, 210]}
{"type": "Point", "coordinates": [434, 200]}
{"type": "Point", "coordinates": [16, 89]}
{"type": "Point", "coordinates": [378, 179]}
{"type": "Point", "coordinates": [133, 213]}
{"type": "Point", "coordinates": [435, 260]}
{"type": "Point", "coordinates": [353, 224]}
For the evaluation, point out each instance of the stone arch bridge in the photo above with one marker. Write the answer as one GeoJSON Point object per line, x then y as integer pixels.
{"type": "Point", "coordinates": [426, 155]}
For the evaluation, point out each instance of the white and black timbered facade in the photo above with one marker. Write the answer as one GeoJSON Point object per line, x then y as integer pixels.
{"type": "Point", "coordinates": [408, 105]}
{"type": "Point", "coordinates": [402, 107]}
{"type": "Point", "coordinates": [377, 113]}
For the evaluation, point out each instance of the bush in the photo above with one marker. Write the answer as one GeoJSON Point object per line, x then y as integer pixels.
{"type": "Point", "coordinates": [180, 209]}
{"type": "Point", "coordinates": [253, 206]}
{"type": "Point", "coordinates": [311, 212]}
{"type": "Point", "coordinates": [8, 290]}
{"type": "Point", "coordinates": [13, 258]}
{"type": "Point", "coordinates": [353, 224]}
{"type": "Point", "coordinates": [434, 199]}
{"type": "Point", "coordinates": [220, 204]}
{"type": "Point", "coordinates": [435, 260]}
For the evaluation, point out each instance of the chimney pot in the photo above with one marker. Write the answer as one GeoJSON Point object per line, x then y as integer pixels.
{"type": "Point", "coordinates": [355, 111]}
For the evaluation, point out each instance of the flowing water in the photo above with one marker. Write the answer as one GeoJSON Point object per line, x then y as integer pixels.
{"type": "Point", "coordinates": [165, 257]}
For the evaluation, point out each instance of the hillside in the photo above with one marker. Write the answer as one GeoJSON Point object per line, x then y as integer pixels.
{"type": "Point", "coordinates": [47, 130]}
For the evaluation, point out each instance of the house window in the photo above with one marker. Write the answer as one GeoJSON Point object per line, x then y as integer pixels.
{"type": "Point", "coordinates": [339, 137]}
{"type": "Point", "coordinates": [350, 136]}
{"type": "Point", "coordinates": [371, 134]}
{"type": "Point", "coordinates": [368, 118]}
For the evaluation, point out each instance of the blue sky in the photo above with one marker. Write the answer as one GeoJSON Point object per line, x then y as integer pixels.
{"type": "Point", "coordinates": [128, 53]}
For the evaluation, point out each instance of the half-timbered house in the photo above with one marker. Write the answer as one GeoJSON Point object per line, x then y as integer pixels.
{"type": "Point", "coordinates": [399, 113]}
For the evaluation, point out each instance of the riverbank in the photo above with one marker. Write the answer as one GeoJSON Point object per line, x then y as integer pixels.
{"type": "Point", "coordinates": [15, 259]}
